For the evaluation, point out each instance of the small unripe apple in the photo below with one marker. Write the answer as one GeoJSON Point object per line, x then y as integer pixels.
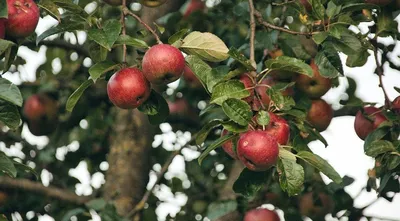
{"type": "Point", "coordinates": [306, 5]}
{"type": "Point", "coordinates": [23, 17]}
{"type": "Point", "coordinates": [117, 2]}
{"type": "Point", "coordinates": [320, 114]}
{"type": "Point", "coordinates": [278, 128]}
{"type": "Point", "coordinates": [365, 123]}
{"type": "Point", "coordinates": [379, 2]}
{"type": "Point", "coordinates": [2, 28]}
{"type": "Point", "coordinates": [396, 105]}
{"type": "Point", "coordinates": [152, 3]}
{"type": "Point", "coordinates": [314, 86]}
{"type": "Point", "coordinates": [190, 78]}
{"type": "Point", "coordinates": [248, 84]}
{"type": "Point", "coordinates": [257, 150]}
{"type": "Point", "coordinates": [228, 146]}
{"type": "Point", "coordinates": [194, 5]}
{"type": "Point", "coordinates": [261, 214]}
{"type": "Point", "coordinates": [163, 64]}
{"type": "Point", "coordinates": [40, 107]}
{"type": "Point", "coordinates": [128, 88]}
{"type": "Point", "coordinates": [310, 208]}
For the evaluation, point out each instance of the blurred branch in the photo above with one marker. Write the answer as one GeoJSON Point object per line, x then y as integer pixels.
{"type": "Point", "coordinates": [226, 192]}
{"type": "Point", "coordinates": [57, 43]}
{"type": "Point", "coordinates": [346, 111]}
{"type": "Point", "coordinates": [260, 20]}
{"type": "Point", "coordinates": [36, 187]}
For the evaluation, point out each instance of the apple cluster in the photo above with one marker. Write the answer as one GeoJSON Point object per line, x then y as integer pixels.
{"type": "Point", "coordinates": [23, 17]}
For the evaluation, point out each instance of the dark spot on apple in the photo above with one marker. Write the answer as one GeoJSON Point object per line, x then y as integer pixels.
{"type": "Point", "coordinates": [313, 83]}
{"type": "Point", "coordinates": [139, 98]}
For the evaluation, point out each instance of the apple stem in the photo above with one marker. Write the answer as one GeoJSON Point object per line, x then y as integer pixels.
{"type": "Point", "coordinates": [263, 75]}
{"type": "Point", "coordinates": [379, 71]}
{"type": "Point", "coordinates": [123, 30]}
{"type": "Point", "coordinates": [128, 12]}
{"type": "Point", "coordinates": [252, 34]}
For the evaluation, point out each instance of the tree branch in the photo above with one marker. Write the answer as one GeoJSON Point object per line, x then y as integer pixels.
{"type": "Point", "coordinates": [379, 71]}
{"type": "Point", "coordinates": [260, 20]}
{"type": "Point", "coordinates": [59, 44]}
{"type": "Point", "coordinates": [128, 12]}
{"type": "Point", "coordinates": [252, 33]}
{"type": "Point", "coordinates": [123, 29]}
{"type": "Point", "coordinates": [36, 187]}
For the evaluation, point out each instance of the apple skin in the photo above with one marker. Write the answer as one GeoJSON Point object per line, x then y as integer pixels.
{"type": "Point", "coordinates": [191, 78]}
{"type": "Point", "coordinates": [117, 2]}
{"type": "Point", "coordinates": [248, 84]}
{"type": "Point", "coordinates": [364, 126]}
{"type": "Point", "coordinates": [228, 146]}
{"type": "Point", "coordinates": [163, 64]}
{"type": "Point", "coordinates": [396, 105]}
{"type": "Point", "coordinates": [278, 128]}
{"type": "Point", "coordinates": [257, 150]}
{"type": "Point", "coordinates": [128, 88]}
{"type": "Point", "coordinates": [379, 2]}
{"type": "Point", "coordinates": [40, 107]}
{"type": "Point", "coordinates": [2, 28]}
{"type": "Point", "coordinates": [306, 5]}
{"type": "Point", "coordinates": [261, 214]}
{"type": "Point", "coordinates": [308, 207]}
{"type": "Point", "coordinates": [313, 87]}
{"type": "Point", "coordinates": [262, 89]}
{"type": "Point", "coordinates": [152, 3]}
{"type": "Point", "coordinates": [320, 114]}
{"type": "Point", "coordinates": [23, 17]}
{"type": "Point", "coordinates": [194, 5]}
{"type": "Point", "coordinates": [179, 106]}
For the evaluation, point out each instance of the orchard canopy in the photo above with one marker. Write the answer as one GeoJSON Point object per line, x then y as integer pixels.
{"type": "Point", "coordinates": [195, 109]}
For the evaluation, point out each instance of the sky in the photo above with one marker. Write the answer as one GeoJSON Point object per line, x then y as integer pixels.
{"type": "Point", "coordinates": [344, 153]}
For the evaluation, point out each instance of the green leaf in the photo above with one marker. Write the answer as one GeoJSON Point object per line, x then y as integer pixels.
{"type": "Point", "coordinates": [202, 134]}
{"type": "Point", "coordinates": [71, 213]}
{"type": "Point", "coordinates": [97, 52]}
{"type": "Point", "coordinates": [60, 28]}
{"type": "Point", "coordinates": [250, 182]}
{"type": "Point", "coordinates": [218, 209]}
{"type": "Point", "coordinates": [239, 57]}
{"type": "Point", "coordinates": [263, 118]}
{"type": "Point", "coordinates": [106, 36]}
{"type": "Point", "coordinates": [284, 63]}
{"type": "Point", "coordinates": [100, 68]}
{"type": "Point", "coordinates": [3, 9]}
{"type": "Point", "coordinates": [228, 89]}
{"type": "Point", "coordinates": [281, 102]}
{"type": "Point", "coordinates": [237, 110]}
{"type": "Point", "coordinates": [7, 166]}
{"type": "Point", "coordinates": [9, 115]}
{"type": "Point", "coordinates": [72, 7]}
{"type": "Point", "coordinates": [73, 99]}
{"type": "Point", "coordinates": [109, 213]}
{"type": "Point", "coordinates": [10, 92]}
{"type": "Point", "coordinates": [320, 37]}
{"type": "Point", "coordinates": [292, 46]}
{"type": "Point", "coordinates": [129, 41]}
{"type": "Point", "coordinates": [375, 135]}
{"type": "Point", "coordinates": [320, 164]}
{"type": "Point", "coordinates": [378, 147]}
{"type": "Point", "coordinates": [157, 106]}
{"type": "Point", "coordinates": [397, 89]}
{"type": "Point", "coordinates": [2, 216]}
{"type": "Point", "coordinates": [25, 168]}
{"type": "Point", "coordinates": [205, 45]}
{"type": "Point", "coordinates": [234, 127]}
{"type": "Point", "coordinates": [333, 9]}
{"type": "Point", "coordinates": [5, 45]}
{"type": "Point", "coordinates": [318, 9]}
{"type": "Point", "coordinates": [214, 145]}
{"type": "Point", "coordinates": [96, 204]}
{"type": "Point", "coordinates": [286, 154]}
{"type": "Point", "coordinates": [358, 7]}
{"type": "Point", "coordinates": [51, 8]}
{"type": "Point", "coordinates": [177, 36]}
{"type": "Point", "coordinates": [291, 176]}
{"type": "Point", "coordinates": [328, 62]}
{"type": "Point", "coordinates": [201, 69]}
{"type": "Point", "coordinates": [386, 26]}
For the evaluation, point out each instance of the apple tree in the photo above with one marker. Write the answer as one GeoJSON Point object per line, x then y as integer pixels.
{"type": "Point", "coordinates": [248, 102]}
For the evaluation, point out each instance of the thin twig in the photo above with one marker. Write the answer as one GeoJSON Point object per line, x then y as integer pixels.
{"type": "Point", "coordinates": [283, 3]}
{"type": "Point", "coordinates": [252, 34]}
{"type": "Point", "coordinates": [128, 12]}
{"type": "Point", "coordinates": [379, 71]}
{"type": "Point", "coordinates": [260, 20]}
{"type": "Point", "coordinates": [123, 30]}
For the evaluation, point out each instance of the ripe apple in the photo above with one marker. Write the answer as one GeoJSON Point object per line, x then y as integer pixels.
{"type": "Point", "coordinates": [379, 2]}
{"type": "Point", "coordinates": [257, 150]}
{"type": "Point", "coordinates": [396, 105]}
{"type": "Point", "coordinates": [40, 107]}
{"type": "Point", "coordinates": [23, 17]}
{"type": "Point", "coordinates": [278, 128]}
{"type": "Point", "coordinates": [306, 5]}
{"type": "Point", "coordinates": [248, 84]}
{"type": "Point", "coordinates": [261, 214]}
{"type": "Point", "coordinates": [262, 92]}
{"type": "Point", "coordinates": [314, 86]}
{"type": "Point", "coordinates": [179, 106]}
{"type": "Point", "coordinates": [320, 114]}
{"type": "Point", "coordinates": [365, 123]}
{"type": "Point", "coordinates": [152, 3]}
{"type": "Point", "coordinates": [194, 5]}
{"type": "Point", "coordinates": [228, 146]}
{"type": "Point", "coordinates": [128, 88]}
{"type": "Point", "coordinates": [310, 208]}
{"type": "Point", "coordinates": [2, 28]}
{"type": "Point", "coordinates": [163, 64]}
{"type": "Point", "coordinates": [116, 2]}
{"type": "Point", "coordinates": [191, 78]}
{"type": "Point", "coordinates": [3, 198]}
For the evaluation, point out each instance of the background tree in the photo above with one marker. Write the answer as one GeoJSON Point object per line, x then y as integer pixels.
{"type": "Point", "coordinates": [251, 81]}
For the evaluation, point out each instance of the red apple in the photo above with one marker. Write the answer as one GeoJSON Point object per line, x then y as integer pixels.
{"type": "Point", "coordinates": [379, 2]}
{"type": "Point", "coordinates": [262, 89]}
{"type": "Point", "coordinates": [191, 78]}
{"type": "Point", "coordinates": [261, 214]}
{"type": "Point", "coordinates": [306, 5]}
{"type": "Point", "coordinates": [365, 123]}
{"type": "Point", "coordinates": [194, 5]}
{"type": "Point", "coordinates": [257, 150]}
{"type": "Point", "coordinates": [228, 146]}
{"type": "Point", "coordinates": [179, 106]}
{"type": "Point", "coordinates": [396, 105]}
{"type": "Point", "coordinates": [3, 198]}
{"type": "Point", "coordinates": [152, 3]}
{"type": "Point", "coordinates": [40, 106]}
{"type": "Point", "coordinates": [320, 114]}
{"type": "Point", "coordinates": [248, 84]}
{"type": "Point", "coordinates": [163, 64]}
{"type": "Point", "coordinates": [128, 88]}
{"type": "Point", "coordinates": [314, 86]}
{"type": "Point", "coordinates": [278, 128]}
{"type": "Point", "coordinates": [23, 17]}
{"type": "Point", "coordinates": [2, 28]}
{"type": "Point", "coordinates": [310, 208]}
